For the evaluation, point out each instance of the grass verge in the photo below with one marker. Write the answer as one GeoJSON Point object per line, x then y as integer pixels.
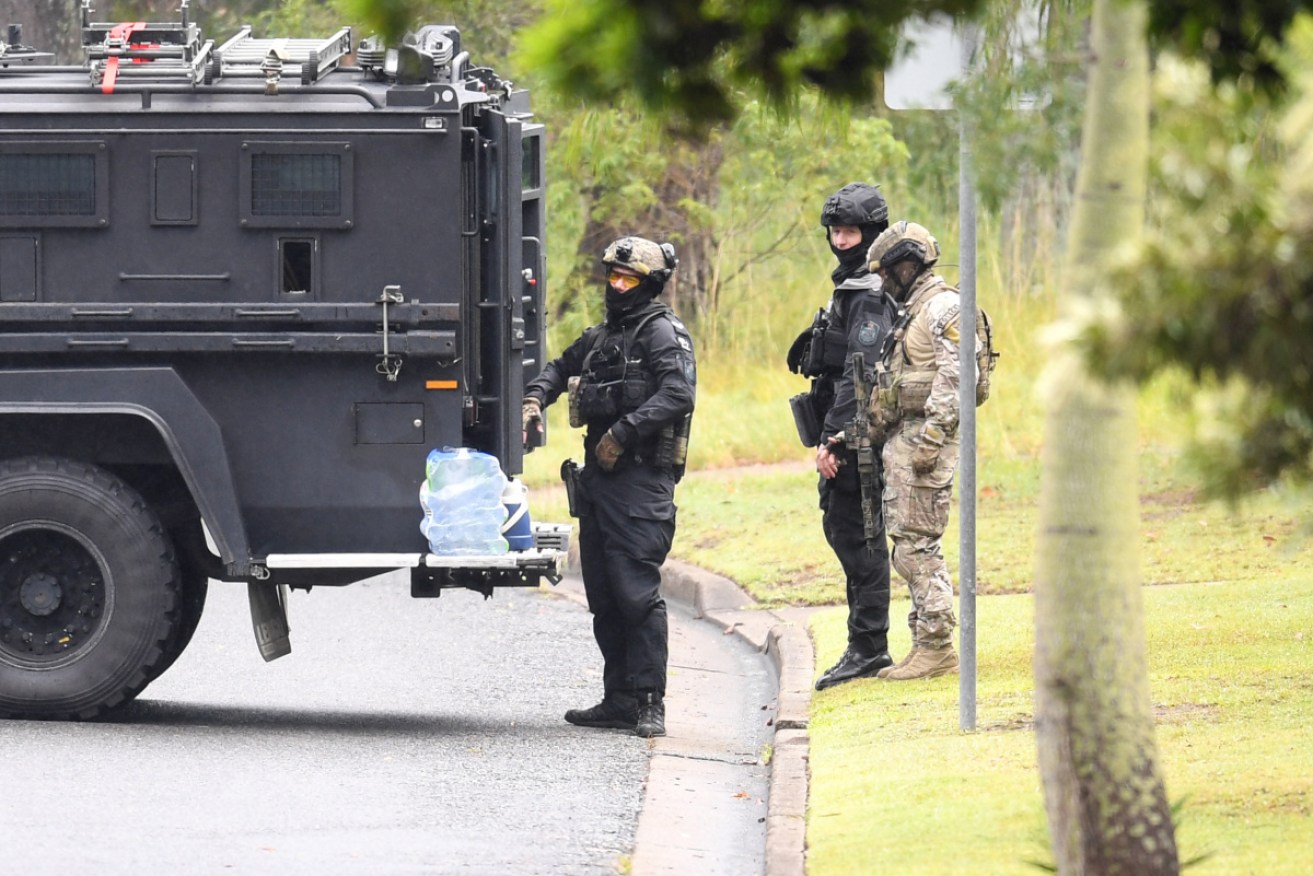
{"type": "Point", "coordinates": [1229, 677]}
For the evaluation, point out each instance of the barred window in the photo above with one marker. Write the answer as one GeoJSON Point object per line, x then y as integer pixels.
{"type": "Point", "coordinates": [47, 184]}
{"type": "Point", "coordinates": [296, 185]}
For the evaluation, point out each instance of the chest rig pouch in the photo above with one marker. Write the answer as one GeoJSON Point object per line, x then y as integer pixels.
{"type": "Point", "coordinates": [819, 353]}
{"type": "Point", "coordinates": [829, 348]}
{"type": "Point", "coordinates": [884, 409]}
{"type": "Point", "coordinates": [612, 382]}
{"type": "Point", "coordinates": [820, 349]}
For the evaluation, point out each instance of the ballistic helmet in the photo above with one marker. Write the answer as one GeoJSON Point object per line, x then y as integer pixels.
{"type": "Point", "coordinates": [640, 255]}
{"type": "Point", "coordinates": [855, 204]}
{"type": "Point", "coordinates": [902, 241]}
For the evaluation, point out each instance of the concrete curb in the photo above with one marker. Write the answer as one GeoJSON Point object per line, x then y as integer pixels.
{"type": "Point", "coordinates": [782, 635]}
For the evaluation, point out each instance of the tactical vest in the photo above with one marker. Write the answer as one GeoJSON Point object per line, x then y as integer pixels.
{"type": "Point", "coordinates": [827, 352]}
{"type": "Point", "coordinates": [902, 390]}
{"type": "Point", "coordinates": [612, 383]}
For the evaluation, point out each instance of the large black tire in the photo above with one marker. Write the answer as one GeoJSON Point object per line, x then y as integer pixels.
{"type": "Point", "coordinates": [89, 590]}
{"type": "Point", "coordinates": [194, 588]}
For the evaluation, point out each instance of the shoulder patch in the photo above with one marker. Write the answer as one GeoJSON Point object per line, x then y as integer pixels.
{"type": "Point", "coordinates": [942, 315]}
{"type": "Point", "coordinates": [868, 333]}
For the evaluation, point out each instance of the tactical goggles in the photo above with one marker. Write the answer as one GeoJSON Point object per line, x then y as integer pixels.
{"type": "Point", "coordinates": [624, 282]}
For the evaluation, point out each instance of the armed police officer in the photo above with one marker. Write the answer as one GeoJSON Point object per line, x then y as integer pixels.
{"type": "Point", "coordinates": [857, 319]}
{"type": "Point", "coordinates": [917, 404]}
{"type": "Point", "coordinates": [635, 392]}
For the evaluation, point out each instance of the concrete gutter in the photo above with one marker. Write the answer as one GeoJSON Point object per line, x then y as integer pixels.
{"type": "Point", "coordinates": [782, 635]}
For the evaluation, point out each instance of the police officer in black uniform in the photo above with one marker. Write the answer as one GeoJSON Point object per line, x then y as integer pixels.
{"type": "Point", "coordinates": [635, 394]}
{"type": "Point", "coordinates": [857, 319]}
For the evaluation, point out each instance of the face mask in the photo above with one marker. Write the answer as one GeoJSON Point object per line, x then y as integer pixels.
{"type": "Point", "coordinates": [895, 286]}
{"type": "Point", "coordinates": [851, 259]}
{"type": "Point", "coordinates": [623, 302]}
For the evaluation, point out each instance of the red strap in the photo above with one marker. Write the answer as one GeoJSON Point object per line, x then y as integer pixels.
{"type": "Point", "coordinates": [119, 32]}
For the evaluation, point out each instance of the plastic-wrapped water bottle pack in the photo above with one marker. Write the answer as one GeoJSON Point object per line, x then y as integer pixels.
{"type": "Point", "coordinates": [462, 500]}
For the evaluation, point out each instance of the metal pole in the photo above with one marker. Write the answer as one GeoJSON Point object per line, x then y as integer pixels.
{"type": "Point", "coordinates": [967, 398]}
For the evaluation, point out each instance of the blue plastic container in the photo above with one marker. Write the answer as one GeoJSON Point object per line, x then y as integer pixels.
{"type": "Point", "coordinates": [517, 530]}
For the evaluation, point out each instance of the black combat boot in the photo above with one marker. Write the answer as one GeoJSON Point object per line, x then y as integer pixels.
{"type": "Point", "coordinates": [651, 715]}
{"type": "Point", "coordinates": [853, 664]}
{"type": "Point", "coordinates": [619, 711]}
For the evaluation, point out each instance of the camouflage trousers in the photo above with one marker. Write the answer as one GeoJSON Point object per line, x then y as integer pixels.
{"type": "Point", "coordinates": [915, 514]}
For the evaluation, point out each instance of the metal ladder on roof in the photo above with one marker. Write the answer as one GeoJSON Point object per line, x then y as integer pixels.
{"type": "Point", "coordinates": [244, 55]}
{"type": "Point", "coordinates": [174, 50]}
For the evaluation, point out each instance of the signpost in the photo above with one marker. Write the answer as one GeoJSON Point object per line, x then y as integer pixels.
{"type": "Point", "coordinates": [941, 54]}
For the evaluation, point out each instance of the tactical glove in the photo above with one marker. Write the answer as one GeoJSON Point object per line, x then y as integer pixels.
{"type": "Point", "coordinates": [608, 451]}
{"type": "Point", "coordinates": [531, 419]}
{"type": "Point", "coordinates": [924, 458]}
{"type": "Point", "coordinates": [925, 454]}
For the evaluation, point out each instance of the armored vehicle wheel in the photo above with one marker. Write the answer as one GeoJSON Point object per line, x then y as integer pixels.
{"type": "Point", "coordinates": [88, 589]}
{"type": "Point", "coordinates": [195, 587]}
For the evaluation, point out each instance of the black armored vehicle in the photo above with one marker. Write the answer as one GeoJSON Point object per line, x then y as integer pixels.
{"type": "Point", "coordinates": [245, 289]}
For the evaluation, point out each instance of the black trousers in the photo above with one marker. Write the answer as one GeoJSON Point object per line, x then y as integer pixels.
{"type": "Point", "coordinates": [867, 572]}
{"type": "Point", "coordinates": [626, 526]}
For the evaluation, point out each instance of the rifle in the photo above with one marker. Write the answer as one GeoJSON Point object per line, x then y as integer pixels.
{"type": "Point", "coordinates": [858, 437]}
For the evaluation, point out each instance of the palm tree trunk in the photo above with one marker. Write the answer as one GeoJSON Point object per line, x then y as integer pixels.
{"type": "Point", "coordinates": [1106, 803]}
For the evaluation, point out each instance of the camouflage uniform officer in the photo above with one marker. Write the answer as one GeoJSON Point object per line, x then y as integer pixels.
{"type": "Point", "coordinates": [857, 319]}
{"type": "Point", "coordinates": [917, 403]}
{"type": "Point", "coordinates": [635, 392]}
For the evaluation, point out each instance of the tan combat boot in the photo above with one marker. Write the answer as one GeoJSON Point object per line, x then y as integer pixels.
{"type": "Point", "coordinates": [925, 663]}
{"type": "Point", "coordinates": [884, 673]}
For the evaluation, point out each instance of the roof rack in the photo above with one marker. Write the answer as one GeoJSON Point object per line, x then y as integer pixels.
{"type": "Point", "coordinates": [169, 50]}
{"type": "Point", "coordinates": [244, 55]}
{"type": "Point", "coordinates": [174, 50]}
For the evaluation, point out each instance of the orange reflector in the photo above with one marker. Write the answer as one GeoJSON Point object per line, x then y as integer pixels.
{"type": "Point", "coordinates": [441, 384]}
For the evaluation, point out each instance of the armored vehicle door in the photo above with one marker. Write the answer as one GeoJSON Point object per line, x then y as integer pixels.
{"type": "Point", "coordinates": [511, 267]}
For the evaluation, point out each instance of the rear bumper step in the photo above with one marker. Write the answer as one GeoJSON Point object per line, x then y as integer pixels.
{"type": "Point", "coordinates": [547, 557]}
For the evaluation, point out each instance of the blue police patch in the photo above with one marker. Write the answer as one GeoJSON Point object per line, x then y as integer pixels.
{"type": "Point", "coordinates": [868, 333]}
{"type": "Point", "coordinates": [690, 372]}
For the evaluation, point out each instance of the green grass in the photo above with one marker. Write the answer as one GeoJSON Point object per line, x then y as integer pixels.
{"type": "Point", "coordinates": [1229, 677]}
{"type": "Point", "coordinates": [760, 526]}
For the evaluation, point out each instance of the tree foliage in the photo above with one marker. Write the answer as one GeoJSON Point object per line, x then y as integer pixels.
{"type": "Point", "coordinates": [1026, 96]}
{"type": "Point", "coordinates": [693, 59]}
{"type": "Point", "coordinates": [617, 170]}
{"type": "Point", "coordinates": [1236, 39]}
{"type": "Point", "coordinates": [1222, 285]}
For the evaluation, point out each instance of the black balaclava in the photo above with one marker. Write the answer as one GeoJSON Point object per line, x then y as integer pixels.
{"type": "Point", "coordinates": [852, 261]}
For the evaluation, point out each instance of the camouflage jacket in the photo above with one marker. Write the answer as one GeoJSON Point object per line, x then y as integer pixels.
{"type": "Point", "coordinates": [924, 360]}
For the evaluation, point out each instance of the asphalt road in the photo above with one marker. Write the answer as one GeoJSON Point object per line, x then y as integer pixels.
{"type": "Point", "coordinates": [400, 736]}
